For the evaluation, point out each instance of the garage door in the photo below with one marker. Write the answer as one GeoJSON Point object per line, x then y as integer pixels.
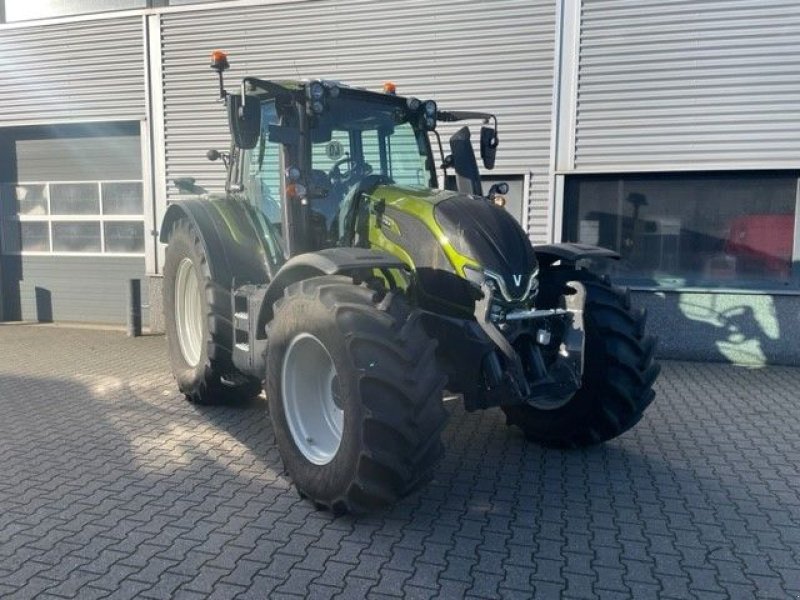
{"type": "Point", "coordinates": [71, 221]}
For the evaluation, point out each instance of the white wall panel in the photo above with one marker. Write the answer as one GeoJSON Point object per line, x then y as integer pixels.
{"type": "Point", "coordinates": [476, 54]}
{"type": "Point", "coordinates": [91, 70]}
{"type": "Point", "coordinates": [688, 84]}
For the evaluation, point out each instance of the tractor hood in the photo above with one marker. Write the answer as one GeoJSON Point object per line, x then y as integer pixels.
{"type": "Point", "coordinates": [491, 236]}
{"type": "Point", "coordinates": [445, 235]}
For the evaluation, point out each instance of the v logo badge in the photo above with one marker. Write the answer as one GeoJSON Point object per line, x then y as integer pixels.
{"type": "Point", "coordinates": [517, 280]}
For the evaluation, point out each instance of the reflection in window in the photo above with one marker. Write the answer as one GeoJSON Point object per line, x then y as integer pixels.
{"type": "Point", "coordinates": [74, 199]}
{"type": "Point", "coordinates": [35, 236]}
{"type": "Point", "coordinates": [124, 236]}
{"type": "Point", "coordinates": [123, 198]}
{"type": "Point", "coordinates": [76, 236]}
{"type": "Point", "coordinates": [683, 229]}
{"type": "Point", "coordinates": [31, 199]}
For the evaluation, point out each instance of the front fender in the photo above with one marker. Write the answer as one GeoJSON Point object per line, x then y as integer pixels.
{"type": "Point", "coordinates": [330, 261]}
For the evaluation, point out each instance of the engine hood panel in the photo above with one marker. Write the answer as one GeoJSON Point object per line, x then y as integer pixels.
{"type": "Point", "coordinates": [489, 235]}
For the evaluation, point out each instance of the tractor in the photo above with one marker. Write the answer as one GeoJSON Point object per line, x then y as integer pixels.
{"type": "Point", "coordinates": [340, 277]}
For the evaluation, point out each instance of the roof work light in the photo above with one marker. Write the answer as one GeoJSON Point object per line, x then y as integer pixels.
{"type": "Point", "coordinates": [219, 62]}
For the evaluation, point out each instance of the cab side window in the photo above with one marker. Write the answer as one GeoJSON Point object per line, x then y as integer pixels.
{"type": "Point", "coordinates": [263, 183]}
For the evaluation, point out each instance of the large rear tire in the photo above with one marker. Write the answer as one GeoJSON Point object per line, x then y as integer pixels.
{"type": "Point", "coordinates": [619, 370]}
{"type": "Point", "coordinates": [197, 315]}
{"type": "Point", "coordinates": [354, 394]}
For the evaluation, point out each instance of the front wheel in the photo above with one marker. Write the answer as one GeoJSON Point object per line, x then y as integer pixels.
{"type": "Point", "coordinates": [354, 394]}
{"type": "Point", "coordinates": [619, 370]}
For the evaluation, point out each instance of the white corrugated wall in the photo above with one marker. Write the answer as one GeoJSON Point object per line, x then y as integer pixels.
{"type": "Point", "coordinates": [688, 85]}
{"type": "Point", "coordinates": [85, 70]}
{"type": "Point", "coordinates": [475, 54]}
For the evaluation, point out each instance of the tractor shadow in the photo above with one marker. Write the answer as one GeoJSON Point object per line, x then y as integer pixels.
{"type": "Point", "coordinates": [741, 329]}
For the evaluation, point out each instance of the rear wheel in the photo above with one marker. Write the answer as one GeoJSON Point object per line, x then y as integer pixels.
{"type": "Point", "coordinates": [198, 324]}
{"type": "Point", "coordinates": [619, 370]}
{"type": "Point", "coordinates": [354, 393]}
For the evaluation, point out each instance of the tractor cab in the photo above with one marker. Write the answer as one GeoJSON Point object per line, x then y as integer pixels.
{"type": "Point", "coordinates": [318, 146]}
{"type": "Point", "coordinates": [304, 153]}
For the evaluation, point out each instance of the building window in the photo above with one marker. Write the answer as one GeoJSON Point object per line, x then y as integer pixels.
{"type": "Point", "coordinates": [696, 229]}
{"type": "Point", "coordinates": [87, 217]}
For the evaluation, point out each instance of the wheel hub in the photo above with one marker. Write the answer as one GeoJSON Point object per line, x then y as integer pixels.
{"type": "Point", "coordinates": [188, 312]}
{"type": "Point", "coordinates": [312, 401]}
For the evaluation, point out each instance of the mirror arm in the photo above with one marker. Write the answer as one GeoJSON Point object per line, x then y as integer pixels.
{"type": "Point", "coordinates": [441, 155]}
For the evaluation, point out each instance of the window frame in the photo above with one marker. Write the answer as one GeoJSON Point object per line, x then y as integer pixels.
{"type": "Point", "coordinates": [101, 218]}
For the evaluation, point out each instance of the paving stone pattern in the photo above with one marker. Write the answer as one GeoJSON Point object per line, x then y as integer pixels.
{"type": "Point", "coordinates": [111, 485]}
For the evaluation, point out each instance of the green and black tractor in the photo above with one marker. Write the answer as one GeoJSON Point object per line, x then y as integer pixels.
{"type": "Point", "coordinates": [338, 275]}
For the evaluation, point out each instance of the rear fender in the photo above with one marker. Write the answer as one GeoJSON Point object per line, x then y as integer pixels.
{"type": "Point", "coordinates": [233, 241]}
{"type": "Point", "coordinates": [570, 253]}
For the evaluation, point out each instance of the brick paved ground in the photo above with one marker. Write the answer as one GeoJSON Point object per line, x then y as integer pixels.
{"type": "Point", "coordinates": [112, 486]}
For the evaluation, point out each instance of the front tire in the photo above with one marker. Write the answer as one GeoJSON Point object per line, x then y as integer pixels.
{"type": "Point", "coordinates": [354, 394]}
{"type": "Point", "coordinates": [619, 370]}
{"type": "Point", "coordinates": [198, 324]}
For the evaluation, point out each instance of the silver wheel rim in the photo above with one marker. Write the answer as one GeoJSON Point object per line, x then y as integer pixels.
{"type": "Point", "coordinates": [188, 312]}
{"type": "Point", "coordinates": [307, 383]}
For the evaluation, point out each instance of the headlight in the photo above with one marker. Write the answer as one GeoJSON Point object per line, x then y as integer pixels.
{"type": "Point", "coordinates": [430, 109]}
{"type": "Point", "coordinates": [316, 91]}
{"type": "Point", "coordinates": [497, 284]}
{"type": "Point", "coordinates": [292, 174]}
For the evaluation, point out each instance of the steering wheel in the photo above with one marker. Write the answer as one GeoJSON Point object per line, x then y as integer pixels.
{"type": "Point", "coordinates": [335, 174]}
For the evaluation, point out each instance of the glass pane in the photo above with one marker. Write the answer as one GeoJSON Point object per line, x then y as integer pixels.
{"type": "Point", "coordinates": [124, 236]}
{"type": "Point", "coordinates": [31, 236]}
{"type": "Point", "coordinates": [74, 199]}
{"type": "Point", "coordinates": [333, 174]}
{"type": "Point", "coordinates": [122, 198]}
{"type": "Point", "coordinates": [23, 10]}
{"type": "Point", "coordinates": [407, 166]}
{"type": "Point", "coordinates": [76, 236]}
{"type": "Point", "coordinates": [31, 199]}
{"type": "Point", "coordinates": [263, 180]}
{"type": "Point", "coordinates": [684, 229]}
{"type": "Point", "coordinates": [35, 236]}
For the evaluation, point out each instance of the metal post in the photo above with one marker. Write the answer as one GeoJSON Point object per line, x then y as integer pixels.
{"type": "Point", "coordinates": [134, 308]}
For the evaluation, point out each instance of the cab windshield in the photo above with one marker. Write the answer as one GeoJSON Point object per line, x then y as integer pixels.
{"type": "Point", "coordinates": [354, 139]}
{"type": "Point", "coordinates": [351, 140]}
{"type": "Point", "coordinates": [376, 136]}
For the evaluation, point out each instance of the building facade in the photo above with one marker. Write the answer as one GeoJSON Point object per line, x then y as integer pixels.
{"type": "Point", "coordinates": [667, 131]}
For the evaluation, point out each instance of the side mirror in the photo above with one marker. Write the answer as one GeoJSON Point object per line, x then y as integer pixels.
{"type": "Point", "coordinates": [468, 177]}
{"type": "Point", "coordinates": [244, 120]}
{"type": "Point", "coordinates": [213, 155]}
{"type": "Point", "coordinates": [489, 144]}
